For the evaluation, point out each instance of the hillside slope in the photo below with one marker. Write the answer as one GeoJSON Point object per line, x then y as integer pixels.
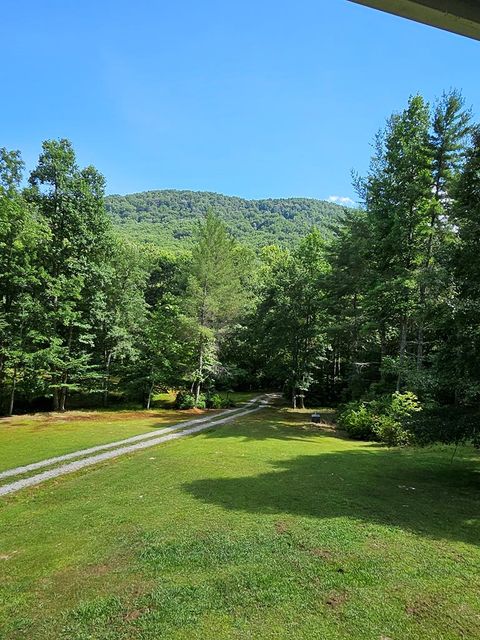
{"type": "Point", "coordinates": [169, 217]}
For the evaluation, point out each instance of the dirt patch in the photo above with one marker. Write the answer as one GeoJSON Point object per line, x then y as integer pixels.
{"type": "Point", "coordinates": [7, 556]}
{"type": "Point", "coordinates": [322, 553]}
{"type": "Point", "coordinates": [42, 420]}
{"type": "Point", "coordinates": [418, 608]}
{"type": "Point", "coordinates": [281, 527]}
{"type": "Point", "coordinates": [336, 600]}
{"type": "Point", "coordinates": [98, 569]}
{"type": "Point", "coordinates": [133, 615]}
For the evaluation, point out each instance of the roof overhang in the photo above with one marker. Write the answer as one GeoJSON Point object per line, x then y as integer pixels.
{"type": "Point", "coordinates": [457, 16]}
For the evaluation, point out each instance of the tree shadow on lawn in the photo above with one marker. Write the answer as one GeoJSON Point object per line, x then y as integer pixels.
{"type": "Point", "coordinates": [412, 490]}
{"type": "Point", "coordinates": [278, 425]}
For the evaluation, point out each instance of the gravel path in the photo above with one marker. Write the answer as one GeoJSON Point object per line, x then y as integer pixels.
{"type": "Point", "coordinates": [199, 425]}
{"type": "Point", "coordinates": [17, 471]}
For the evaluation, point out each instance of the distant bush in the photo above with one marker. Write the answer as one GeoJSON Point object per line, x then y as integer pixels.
{"type": "Point", "coordinates": [202, 402]}
{"type": "Point", "coordinates": [385, 419]}
{"type": "Point", "coordinates": [185, 400]}
{"type": "Point", "coordinates": [214, 401]}
{"type": "Point", "coordinates": [356, 419]}
{"type": "Point", "coordinates": [447, 425]}
{"type": "Point", "coordinates": [390, 431]}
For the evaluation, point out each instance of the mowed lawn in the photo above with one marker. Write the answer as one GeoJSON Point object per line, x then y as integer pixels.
{"type": "Point", "coordinates": [264, 528]}
{"type": "Point", "coordinates": [30, 438]}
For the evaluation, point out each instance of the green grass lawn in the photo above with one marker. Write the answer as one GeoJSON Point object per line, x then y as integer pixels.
{"type": "Point", "coordinates": [263, 528]}
{"type": "Point", "coordinates": [26, 439]}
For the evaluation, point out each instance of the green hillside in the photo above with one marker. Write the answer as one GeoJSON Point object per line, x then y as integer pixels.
{"type": "Point", "coordinates": [169, 217]}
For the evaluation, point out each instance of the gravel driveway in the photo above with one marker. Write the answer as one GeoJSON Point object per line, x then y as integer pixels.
{"type": "Point", "coordinates": [122, 447]}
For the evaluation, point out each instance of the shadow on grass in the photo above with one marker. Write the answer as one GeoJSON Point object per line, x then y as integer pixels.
{"type": "Point", "coordinates": [416, 491]}
{"type": "Point", "coordinates": [276, 425]}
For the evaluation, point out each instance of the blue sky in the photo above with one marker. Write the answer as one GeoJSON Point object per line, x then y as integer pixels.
{"type": "Point", "coordinates": [261, 98]}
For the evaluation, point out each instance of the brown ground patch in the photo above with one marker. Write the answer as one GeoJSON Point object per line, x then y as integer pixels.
{"type": "Point", "coordinates": [98, 569]}
{"type": "Point", "coordinates": [336, 599]}
{"type": "Point", "coordinates": [46, 419]}
{"type": "Point", "coordinates": [133, 615]}
{"type": "Point", "coordinates": [419, 608]}
{"type": "Point", "coordinates": [281, 527]}
{"type": "Point", "coordinates": [321, 553]}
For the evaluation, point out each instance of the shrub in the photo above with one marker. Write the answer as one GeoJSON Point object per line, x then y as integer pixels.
{"type": "Point", "coordinates": [390, 431]}
{"type": "Point", "coordinates": [404, 405]}
{"type": "Point", "coordinates": [446, 424]}
{"type": "Point", "coordinates": [202, 403]}
{"type": "Point", "coordinates": [185, 400]}
{"type": "Point", "coordinates": [357, 421]}
{"type": "Point", "coordinates": [385, 419]}
{"type": "Point", "coordinates": [214, 401]}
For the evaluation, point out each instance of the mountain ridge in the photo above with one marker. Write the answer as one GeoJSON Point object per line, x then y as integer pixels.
{"type": "Point", "coordinates": [168, 216]}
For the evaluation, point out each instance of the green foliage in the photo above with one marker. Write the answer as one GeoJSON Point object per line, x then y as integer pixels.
{"type": "Point", "coordinates": [384, 419]}
{"type": "Point", "coordinates": [357, 420]}
{"type": "Point", "coordinates": [215, 401]}
{"type": "Point", "coordinates": [325, 304]}
{"type": "Point", "coordinates": [446, 424]}
{"type": "Point", "coordinates": [216, 294]}
{"type": "Point", "coordinates": [390, 431]}
{"type": "Point", "coordinates": [185, 400]}
{"type": "Point", "coordinates": [169, 218]}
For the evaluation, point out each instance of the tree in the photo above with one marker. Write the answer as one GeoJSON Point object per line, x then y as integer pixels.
{"type": "Point", "coordinates": [460, 356]}
{"type": "Point", "coordinates": [398, 197]}
{"type": "Point", "coordinates": [291, 316]}
{"type": "Point", "coordinates": [216, 293]}
{"type": "Point", "coordinates": [72, 203]}
{"type": "Point", "coordinates": [116, 305]}
{"type": "Point", "coordinates": [22, 235]}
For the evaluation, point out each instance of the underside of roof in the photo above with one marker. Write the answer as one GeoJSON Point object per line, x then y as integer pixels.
{"type": "Point", "coordinates": [457, 16]}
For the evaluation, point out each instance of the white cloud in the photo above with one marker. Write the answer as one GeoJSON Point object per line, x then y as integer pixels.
{"type": "Point", "coordinates": [347, 202]}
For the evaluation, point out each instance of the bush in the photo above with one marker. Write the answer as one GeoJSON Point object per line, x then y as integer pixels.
{"type": "Point", "coordinates": [202, 403]}
{"type": "Point", "coordinates": [390, 431]}
{"type": "Point", "coordinates": [447, 425]}
{"type": "Point", "coordinates": [356, 420]}
{"type": "Point", "coordinates": [214, 401]}
{"type": "Point", "coordinates": [385, 419]}
{"type": "Point", "coordinates": [185, 400]}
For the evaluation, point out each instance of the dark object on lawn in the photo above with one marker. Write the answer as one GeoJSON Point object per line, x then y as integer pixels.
{"type": "Point", "coordinates": [316, 417]}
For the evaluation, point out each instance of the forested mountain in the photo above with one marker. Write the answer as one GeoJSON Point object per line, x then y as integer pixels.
{"type": "Point", "coordinates": [169, 217]}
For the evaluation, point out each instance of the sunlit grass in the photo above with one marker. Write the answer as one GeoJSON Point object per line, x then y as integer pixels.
{"type": "Point", "coordinates": [265, 528]}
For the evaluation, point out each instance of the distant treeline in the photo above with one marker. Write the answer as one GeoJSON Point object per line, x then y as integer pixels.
{"type": "Point", "coordinates": [381, 312]}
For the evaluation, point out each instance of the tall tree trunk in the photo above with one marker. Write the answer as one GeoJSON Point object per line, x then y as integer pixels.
{"type": "Point", "coordinates": [106, 380]}
{"type": "Point", "coordinates": [63, 398]}
{"type": "Point", "coordinates": [198, 388]}
{"type": "Point", "coordinates": [198, 383]}
{"type": "Point", "coordinates": [56, 398]}
{"type": "Point", "coordinates": [294, 398]}
{"type": "Point", "coordinates": [401, 351]}
{"type": "Point", "coordinates": [420, 346]}
{"type": "Point", "coordinates": [63, 388]}
{"type": "Point", "coordinates": [302, 401]}
{"type": "Point", "coordinates": [12, 391]}
{"type": "Point", "coordinates": [149, 396]}
{"type": "Point", "coordinates": [420, 329]}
